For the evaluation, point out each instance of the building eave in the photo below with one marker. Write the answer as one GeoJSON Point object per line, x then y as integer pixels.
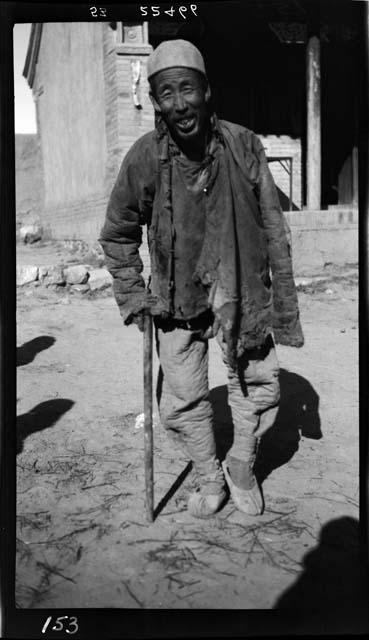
{"type": "Point", "coordinates": [32, 53]}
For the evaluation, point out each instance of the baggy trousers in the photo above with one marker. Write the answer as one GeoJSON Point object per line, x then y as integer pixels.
{"type": "Point", "coordinates": [183, 394]}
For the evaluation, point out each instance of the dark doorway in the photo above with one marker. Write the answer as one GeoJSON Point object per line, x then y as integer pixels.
{"type": "Point", "coordinates": [255, 56]}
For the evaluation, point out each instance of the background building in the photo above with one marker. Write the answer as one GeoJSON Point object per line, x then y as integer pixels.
{"type": "Point", "coordinates": [288, 70]}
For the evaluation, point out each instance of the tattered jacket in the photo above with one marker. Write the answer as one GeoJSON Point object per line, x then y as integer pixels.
{"type": "Point", "coordinates": [246, 256]}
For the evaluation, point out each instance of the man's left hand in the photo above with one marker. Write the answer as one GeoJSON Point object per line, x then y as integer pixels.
{"type": "Point", "coordinates": [212, 331]}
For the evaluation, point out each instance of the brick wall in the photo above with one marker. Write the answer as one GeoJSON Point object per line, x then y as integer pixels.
{"type": "Point", "coordinates": [124, 122]}
{"type": "Point", "coordinates": [111, 106]}
{"type": "Point", "coordinates": [286, 146]}
{"type": "Point", "coordinates": [132, 122]}
{"type": "Point", "coordinates": [121, 125]}
{"type": "Point", "coordinates": [321, 237]}
{"type": "Point", "coordinates": [77, 220]}
{"type": "Point", "coordinates": [70, 103]}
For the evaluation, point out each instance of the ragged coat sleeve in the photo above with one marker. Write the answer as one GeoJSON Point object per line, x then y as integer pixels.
{"type": "Point", "coordinates": [286, 323]}
{"type": "Point", "coordinates": [129, 208]}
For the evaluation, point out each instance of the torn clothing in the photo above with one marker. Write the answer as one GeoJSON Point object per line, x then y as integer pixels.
{"type": "Point", "coordinates": [216, 233]}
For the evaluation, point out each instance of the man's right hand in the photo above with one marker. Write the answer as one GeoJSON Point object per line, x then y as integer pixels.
{"type": "Point", "coordinates": [141, 305]}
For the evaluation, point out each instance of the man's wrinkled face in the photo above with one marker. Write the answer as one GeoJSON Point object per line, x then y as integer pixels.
{"type": "Point", "coordinates": [180, 95]}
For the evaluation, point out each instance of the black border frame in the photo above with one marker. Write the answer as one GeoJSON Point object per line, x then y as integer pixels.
{"type": "Point", "coordinates": [134, 623]}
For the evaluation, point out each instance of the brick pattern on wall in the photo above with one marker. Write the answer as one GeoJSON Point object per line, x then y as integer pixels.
{"type": "Point", "coordinates": [69, 84]}
{"type": "Point", "coordinates": [79, 220]}
{"type": "Point", "coordinates": [132, 123]}
{"type": "Point", "coordinates": [285, 146]}
{"type": "Point", "coordinates": [323, 237]}
{"type": "Point", "coordinates": [111, 106]}
{"type": "Point", "coordinates": [70, 95]}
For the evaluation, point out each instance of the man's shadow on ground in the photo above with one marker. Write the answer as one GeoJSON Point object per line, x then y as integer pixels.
{"type": "Point", "coordinates": [27, 352]}
{"type": "Point", "coordinates": [298, 412]}
{"type": "Point", "coordinates": [334, 582]}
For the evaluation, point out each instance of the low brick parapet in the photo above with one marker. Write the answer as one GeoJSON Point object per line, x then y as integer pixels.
{"type": "Point", "coordinates": [323, 237]}
{"type": "Point", "coordinates": [320, 219]}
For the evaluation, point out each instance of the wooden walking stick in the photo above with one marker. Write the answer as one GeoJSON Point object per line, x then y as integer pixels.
{"type": "Point", "coordinates": [148, 406]}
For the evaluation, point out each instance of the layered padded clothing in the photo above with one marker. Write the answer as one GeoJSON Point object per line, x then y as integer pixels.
{"type": "Point", "coordinates": [240, 265]}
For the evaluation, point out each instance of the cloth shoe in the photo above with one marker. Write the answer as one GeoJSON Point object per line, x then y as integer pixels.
{"type": "Point", "coordinates": [206, 506]}
{"type": "Point", "coordinates": [248, 501]}
{"type": "Point", "coordinates": [211, 494]}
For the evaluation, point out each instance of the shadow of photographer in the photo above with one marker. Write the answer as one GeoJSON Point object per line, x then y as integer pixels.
{"type": "Point", "coordinates": [335, 579]}
{"type": "Point", "coordinates": [28, 351]}
{"type": "Point", "coordinates": [42, 416]}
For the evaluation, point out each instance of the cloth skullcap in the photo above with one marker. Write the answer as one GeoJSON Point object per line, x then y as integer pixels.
{"type": "Point", "coordinates": [175, 53]}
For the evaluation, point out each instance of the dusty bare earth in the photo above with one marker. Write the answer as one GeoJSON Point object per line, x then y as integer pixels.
{"type": "Point", "coordinates": [82, 535]}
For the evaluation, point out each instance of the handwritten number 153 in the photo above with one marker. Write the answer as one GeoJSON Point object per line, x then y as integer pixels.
{"type": "Point", "coordinates": [63, 623]}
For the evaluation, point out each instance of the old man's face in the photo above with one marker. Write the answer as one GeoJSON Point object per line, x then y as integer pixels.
{"type": "Point", "coordinates": [181, 96]}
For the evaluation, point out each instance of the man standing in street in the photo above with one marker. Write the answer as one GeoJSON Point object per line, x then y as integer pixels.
{"type": "Point", "coordinates": [220, 266]}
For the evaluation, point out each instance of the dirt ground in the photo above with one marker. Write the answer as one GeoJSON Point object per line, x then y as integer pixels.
{"type": "Point", "coordinates": [82, 535]}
